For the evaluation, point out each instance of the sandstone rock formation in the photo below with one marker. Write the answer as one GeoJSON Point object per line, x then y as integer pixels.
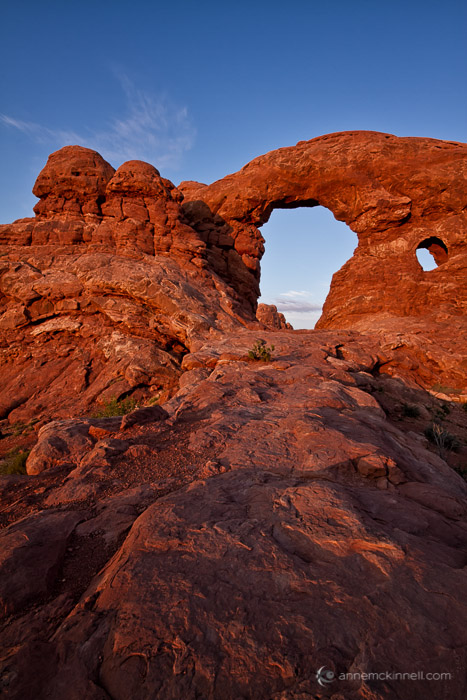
{"type": "Point", "coordinates": [103, 291]}
{"type": "Point", "coordinates": [117, 275]}
{"type": "Point", "coordinates": [270, 518]}
{"type": "Point", "coordinates": [397, 194]}
{"type": "Point", "coordinates": [271, 317]}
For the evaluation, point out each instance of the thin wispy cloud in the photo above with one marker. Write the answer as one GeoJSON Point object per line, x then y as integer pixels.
{"type": "Point", "coordinates": [299, 307]}
{"type": "Point", "coordinates": [152, 128]}
{"type": "Point", "coordinates": [294, 294]}
{"type": "Point", "coordinates": [39, 133]}
{"type": "Point", "coordinates": [297, 303]}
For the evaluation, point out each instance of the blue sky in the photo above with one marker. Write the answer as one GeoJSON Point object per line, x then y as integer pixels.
{"type": "Point", "coordinates": [200, 88]}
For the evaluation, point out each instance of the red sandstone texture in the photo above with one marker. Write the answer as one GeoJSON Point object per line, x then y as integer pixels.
{"type": "Point", "coordinates": [120, 274]}
{"type": "Point", "coordinates": [270, 518]}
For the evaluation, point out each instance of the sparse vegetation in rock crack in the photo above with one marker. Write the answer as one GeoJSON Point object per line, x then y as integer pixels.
{"type": "Point", "coordinates": [442, 439]}
{"type": "Point", "coordinates": [116, 407]}
{"type": "Point", "coordinates": [14, 461]}
{"type": "Point", "coordinates": [261, 352]}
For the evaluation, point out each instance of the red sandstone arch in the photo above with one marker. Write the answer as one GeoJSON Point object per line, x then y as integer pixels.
{"type": "Point", "coordinates": [393, 192]}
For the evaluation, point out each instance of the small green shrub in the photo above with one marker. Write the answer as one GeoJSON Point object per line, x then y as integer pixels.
{"type": "Point", "coordinates": [18, 428]}
{"type": "Point", "coordinates": [464, 407]}
{"type": "Point", "coordinates": [154, 399]}
{"type": "Point", "coordinates": [15, 461]}
{"type": "Point", "coordinates": [445, 389]}
{"type": "Point", "coordinates": [114, 407]}
{"type": "Point", "coordinates": [440, 437]}
{"type": "Point", "coordinates": [260, 351]}
{"type": "Point", "coordinates": [410, 410]}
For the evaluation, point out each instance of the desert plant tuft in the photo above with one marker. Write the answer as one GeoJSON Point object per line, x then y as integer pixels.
{"type": "Point", "coordinates": [154, 399]}
{"type": "Point", "coordinates": [260, 351]}
{"type": "Point", "coordinates": [445, 389]}
{"type": "Point", "coordinates": [440, 437]}
{"type": "Point", "coordinates": [440, 412]}
{"type": "Point", "coordinates": [410, 411]}
{"type": "Point", "coordinates": [15, 461]}
{"type": "Point", "coordinates": [115, 407]}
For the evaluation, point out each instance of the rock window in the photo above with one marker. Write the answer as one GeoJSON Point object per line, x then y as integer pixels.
{"type": "Point", "coordinates": [431, 252]}
{"type": "Point", "coordinates": [304, 247]}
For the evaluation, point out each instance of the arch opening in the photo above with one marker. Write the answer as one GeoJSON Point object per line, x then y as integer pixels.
{"type": "Point", "coordinates": [431, 253]}
{"type": "Point", "coordinates": [304, 248]}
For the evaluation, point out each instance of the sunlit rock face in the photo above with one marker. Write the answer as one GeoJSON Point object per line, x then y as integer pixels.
{"type": "Point", "coordinates": [271, 317]}
{"type": "Point", "coordinates": [119, 265]}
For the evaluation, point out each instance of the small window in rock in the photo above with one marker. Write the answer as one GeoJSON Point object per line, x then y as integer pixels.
{"type": "Point", "coordinates": [431, 252]}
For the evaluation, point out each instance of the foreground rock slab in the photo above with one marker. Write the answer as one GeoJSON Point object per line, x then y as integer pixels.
{"type": "Point", "coordinates": [277, 520]}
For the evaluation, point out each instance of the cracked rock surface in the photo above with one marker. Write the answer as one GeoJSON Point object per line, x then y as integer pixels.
{"type": "Point", "coordinates": [274, 520]}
